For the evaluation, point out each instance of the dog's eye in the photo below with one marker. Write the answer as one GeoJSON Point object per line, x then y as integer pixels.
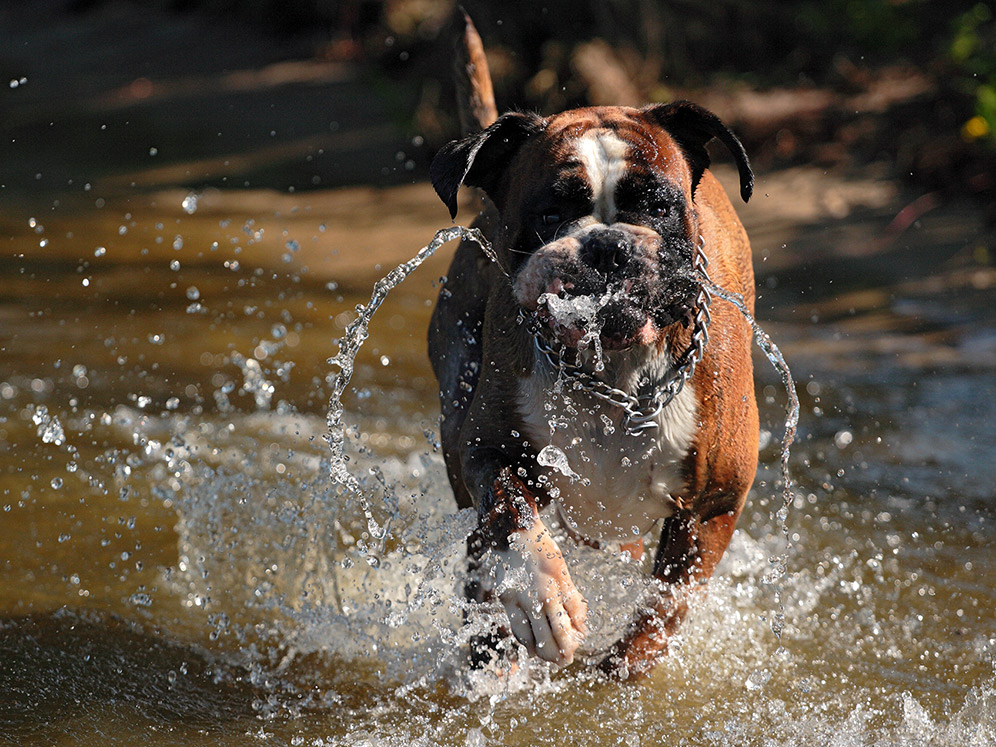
{"type": "Point", "coordinates": [659, 211]}
{"type": "Point", "coordinates": [550, 219]}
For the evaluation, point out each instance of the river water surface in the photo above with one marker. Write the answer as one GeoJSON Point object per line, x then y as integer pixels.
{"type": "Point", "coordinates": [178, 566]}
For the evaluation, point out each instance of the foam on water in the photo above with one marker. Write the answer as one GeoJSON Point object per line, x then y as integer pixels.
{"type": "Point", "coordinates": [251, 559]}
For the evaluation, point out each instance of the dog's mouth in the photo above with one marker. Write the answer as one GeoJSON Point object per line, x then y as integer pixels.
{"type": "Point", "coordinates": [624, 315]}
{"type": "Point", "coordinates": [609, 289]}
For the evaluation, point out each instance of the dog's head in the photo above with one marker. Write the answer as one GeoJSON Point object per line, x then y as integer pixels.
{"type": "Point", "coordinates": [597, 228]}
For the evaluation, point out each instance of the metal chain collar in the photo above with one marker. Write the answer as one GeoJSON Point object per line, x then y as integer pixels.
{"type": "Point", "coordinates": [641, 411]}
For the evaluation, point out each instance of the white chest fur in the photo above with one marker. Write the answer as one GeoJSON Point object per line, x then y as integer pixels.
{"type": "Point", "coordinates": [619, 484]}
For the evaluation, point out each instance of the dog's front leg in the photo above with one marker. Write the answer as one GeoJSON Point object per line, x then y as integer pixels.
{"type": "Point", "coordinates": [545, 609]}
{"type": "Point", "coordinates": [686, 558]}
{"type": "Point", "coordinates": [546, 612]}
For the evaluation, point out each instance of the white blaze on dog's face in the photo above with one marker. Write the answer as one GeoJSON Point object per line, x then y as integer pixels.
{"type": "Point", "coordinates": [603, 155]}
{"type": "Point", "coordinates": [604, 246]}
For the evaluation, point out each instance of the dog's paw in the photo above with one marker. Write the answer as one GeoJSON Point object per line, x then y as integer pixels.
{"type": "Point", "coordinates": [545, 610]}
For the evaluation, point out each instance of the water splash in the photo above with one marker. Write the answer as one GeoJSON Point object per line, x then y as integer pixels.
{"type": "Point", "coordinates": [49, 428]}
{"type": "Point", "coordinates": [358, 331]}
{"type": "Point", "coordinates": [779, 562]}
{"type": "Point", "coordinates": [349, 346]}
{"type": "Point", "coordinates": [777, 360]}
{"type": "Point", "coordinates": [189, 203]}
{"type": "Point", "coordinates": [569, 311]}
{"type": "Point", "coordinates": [581, 313]}
{"type": "Point", "coordinates": [255, 382]}
{"type": "Point", "coordinates": [551, 456]}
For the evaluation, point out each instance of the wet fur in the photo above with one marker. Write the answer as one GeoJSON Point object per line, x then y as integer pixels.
{"type": "Point", "coordinates": [493, 388]}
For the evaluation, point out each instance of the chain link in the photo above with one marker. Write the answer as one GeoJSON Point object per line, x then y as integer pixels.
{"type": "Point", "coordinates": [640, 411]}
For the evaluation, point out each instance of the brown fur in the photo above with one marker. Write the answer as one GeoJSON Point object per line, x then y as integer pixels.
{"type": "Point", "coordinates": [480, 351]}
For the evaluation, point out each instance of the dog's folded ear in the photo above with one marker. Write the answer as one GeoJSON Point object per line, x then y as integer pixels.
{"type": "Point", "coordinates": [480, 160]}
{"type": "Point", "coordinates": [693, 127]}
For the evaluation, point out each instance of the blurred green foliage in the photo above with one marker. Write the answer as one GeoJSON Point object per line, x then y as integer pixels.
{"type": "Point", "coordinates": [973, 51]}
{"type": "Point", "coordinates": [865, 26]}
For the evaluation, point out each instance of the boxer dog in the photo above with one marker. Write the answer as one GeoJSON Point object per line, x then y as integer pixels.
{"type": "Point", "coordinates": [584, 364]}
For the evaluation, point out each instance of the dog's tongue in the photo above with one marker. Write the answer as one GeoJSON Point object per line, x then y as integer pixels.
{"type": "Point", "coordinates": [647, 334]}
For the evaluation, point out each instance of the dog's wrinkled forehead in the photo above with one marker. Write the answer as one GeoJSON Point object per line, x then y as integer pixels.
{"type": "Point", "coordinates": [520, 154]}
{"type": "Point", "coordinates": [596, 150]}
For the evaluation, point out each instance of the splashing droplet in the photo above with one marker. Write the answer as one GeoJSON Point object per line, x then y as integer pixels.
{"type": "Point", "coordinates": [757, 679]}
{"type": "Point", "coordinates": [551, 456]}
{"type": "Point", "coordinates": [49, 428]}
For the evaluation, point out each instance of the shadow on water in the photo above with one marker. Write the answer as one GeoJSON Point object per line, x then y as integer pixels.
{"type": "Point", "coordinates": [76, 673]}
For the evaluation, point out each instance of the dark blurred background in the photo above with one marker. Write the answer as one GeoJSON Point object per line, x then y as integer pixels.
{"type": "Point", "coordinates": [909, 85]}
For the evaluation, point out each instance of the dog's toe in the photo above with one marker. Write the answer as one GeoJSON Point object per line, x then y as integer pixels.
{"type": "Point", "coordinates": [521, 625]}
{"type": "Point", "coordinates": [566, 635]}
{"type": "Point", "coordinates": [544, 628]}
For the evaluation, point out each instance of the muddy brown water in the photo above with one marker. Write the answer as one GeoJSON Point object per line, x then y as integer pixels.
{"type": "Point", "coordinates": [177, 565]}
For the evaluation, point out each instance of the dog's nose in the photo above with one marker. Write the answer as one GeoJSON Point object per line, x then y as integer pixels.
{"type": "Point", "coordinates": [607, 252]}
